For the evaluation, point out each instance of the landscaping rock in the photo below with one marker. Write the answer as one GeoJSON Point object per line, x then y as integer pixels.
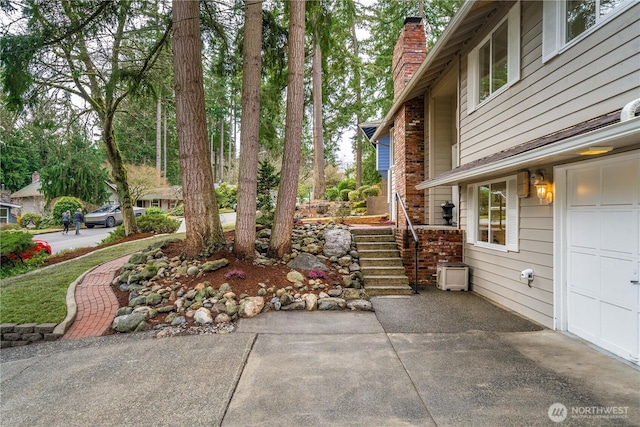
{"type": "Point", "coordinates": [306, 261]}
{"type": "Point", "coordinates": [128, 322]}
{"type": "Point", "coordinates": [337, 242]}
{"type": "Point", "coordinates": [295, 276]}
{"type": "Point", "coordinates": [215, 265]}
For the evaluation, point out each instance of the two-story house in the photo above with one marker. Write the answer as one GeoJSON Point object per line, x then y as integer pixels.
{"type": "Point", "coordinates": [524, 114]}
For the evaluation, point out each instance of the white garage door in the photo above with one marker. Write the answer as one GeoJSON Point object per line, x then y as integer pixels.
{"type": "Point", "coordinates": [603, 247]}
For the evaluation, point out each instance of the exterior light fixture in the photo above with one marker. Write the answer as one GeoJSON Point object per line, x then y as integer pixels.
{"type": "Point", "coordinates": [593, 151]}
{"type": "Point", "coordinates": [543, 188]}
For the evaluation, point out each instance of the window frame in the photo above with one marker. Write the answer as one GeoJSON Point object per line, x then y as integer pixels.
{"type": "Point", "coordinates": [5, 216]}
{"type": "Point", "coordinates": [554, 26]}
{"type": "Point", "coordinates": [513, 60]}
{"type": "Point", "coordinates": [512, 212]}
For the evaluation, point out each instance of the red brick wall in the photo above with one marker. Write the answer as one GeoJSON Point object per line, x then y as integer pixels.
{"type": "Point", "coordinates": [436, 245]}
{"type": "Point", "coordinates": [409, 158]}
{"type": "Point", "coordinates": [408, 54]}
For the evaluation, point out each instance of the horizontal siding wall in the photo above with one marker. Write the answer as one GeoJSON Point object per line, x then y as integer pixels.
{"type": "Point", "coordinates": [496, 274]}
{"type": "Point", "coordinates": [596, 76]}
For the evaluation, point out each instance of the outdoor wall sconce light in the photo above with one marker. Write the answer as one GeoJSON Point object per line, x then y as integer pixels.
{"type": "Point", "coordinates": [447, 211]}
{"type": "Point", "coordinates": [543, 188]}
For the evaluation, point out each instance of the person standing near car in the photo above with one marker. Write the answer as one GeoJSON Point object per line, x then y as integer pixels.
{"type": "Point", "coordinates": [78, 219]}
{"type": "Point", "coordinates": [66, 219]}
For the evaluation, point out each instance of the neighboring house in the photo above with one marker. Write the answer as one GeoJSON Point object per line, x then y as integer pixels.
{"type": "Point", "coordinates": [165, 198]}
{"type": "Point", "coordinates": [6, 216]}
{"type": "Point", "coordinates": [524, 115]}
{"type": "Point", "coordinates": [30, 198]}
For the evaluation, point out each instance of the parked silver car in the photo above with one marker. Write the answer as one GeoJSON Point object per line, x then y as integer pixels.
{"type": "Point", "coordinates": [108, 215]}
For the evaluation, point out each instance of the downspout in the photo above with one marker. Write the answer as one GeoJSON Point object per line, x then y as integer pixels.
{"type": "Point", "coordinates": [629, 110]}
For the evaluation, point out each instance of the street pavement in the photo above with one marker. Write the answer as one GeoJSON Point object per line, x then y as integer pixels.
{"type": "Point", "coordinates": [433, 359]}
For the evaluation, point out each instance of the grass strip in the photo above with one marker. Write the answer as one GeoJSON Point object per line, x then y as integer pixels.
{"type": "Point", "coordinates": [40, 297]}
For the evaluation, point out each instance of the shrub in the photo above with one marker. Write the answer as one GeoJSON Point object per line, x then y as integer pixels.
{"type": "Point", "coordinates": [154, 210]}
{"type": "Point", "coordinates": [316, 274]}
{"type": "Point", "coordinates": [64, 204]}
{"type": "Point", "coordinates": [235, 273]}
{"type": "Point", "coordinates": [178, 210]}
{"type": "Point", "coordinates": [14, 242]}
{"type": "Point", "coordinates": [227, 196]}
{"type": "Point", "coordinates": [114, 235]}
{"type": "Point", "coordinates": [332, 193]}
{"type": "Point", "coordinates": [344, 195]}
{"type": "Point", "coordinates": [349, 183]}
{"type": "Point", "coordinates": [159, 224]}
{"type": "Point", "coordinates": [30, 217]}
{"type": "Point", "coordinates": [48, 220]}
{"type": "Point", "coordinates": [362, 189]}
{"type": "Point", "coordinates": [354, 196]}
{"type": "Point", "coordinates": [372, 191]}
{"type": "Point", "coordinates": [360, 210]}
{"type": "Point", "coordinates": [360, 204]}
{"type": "Point", "coordinates": [8, 226]}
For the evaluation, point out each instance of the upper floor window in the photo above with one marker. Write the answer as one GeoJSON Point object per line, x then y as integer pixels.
{"type": "Point", "coordinates": [566, 20]}
{"type": "Point", "coordinates": [492, 214]}
{"type": "Point", "coordinates": [495, 63]}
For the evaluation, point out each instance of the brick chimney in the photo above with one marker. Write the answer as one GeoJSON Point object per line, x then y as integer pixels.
{"type": "Point", "coordinates": [35, 177]}
{"type": "Point", "coordinates": [409, 53]}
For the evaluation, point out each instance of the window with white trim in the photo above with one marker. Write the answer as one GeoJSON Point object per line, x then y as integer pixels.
{"type": "Point", "coordinates": [155, 203]}
{"type": "Point", "coordinates": [4, 215]}
{"type": "Point", "coordinates": [494, 64]}
{"type": "Point", "coordinates": [492, 214]}
{"type": "Point", "coordinates": [565, 21]}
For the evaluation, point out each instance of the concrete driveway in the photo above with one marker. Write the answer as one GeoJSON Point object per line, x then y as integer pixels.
{"type": "Point", "coordinates": [438, 358]}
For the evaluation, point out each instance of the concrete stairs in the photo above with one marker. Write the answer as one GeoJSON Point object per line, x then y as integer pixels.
{"type": "Point", "coordinates": [380, 262]}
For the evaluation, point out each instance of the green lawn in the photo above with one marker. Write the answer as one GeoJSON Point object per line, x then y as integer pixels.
{"type": "Point", "coordinates": [40, 297]}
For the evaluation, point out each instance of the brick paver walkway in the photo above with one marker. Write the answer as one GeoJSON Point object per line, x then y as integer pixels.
{"type": "Point", "coordinates": [97, 304]}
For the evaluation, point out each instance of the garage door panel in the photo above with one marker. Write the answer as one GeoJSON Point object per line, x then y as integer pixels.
{"type": "Point", "coordinates": [584, 316]}
{"type": "Point", "coordinates": [620, 183]}
{"type": "Point", "coordinates": [585, 273]}
{"type": "Point", "coordinates": [615, 281]}
{"type": "Point", "coordinates": [617, 227]}
{"type": "Point", "coordinates": [615, 331]}
{"type": "Point", "coordinates": [584, 185]}
{"type": "Point", "coordinates": [582, 230]}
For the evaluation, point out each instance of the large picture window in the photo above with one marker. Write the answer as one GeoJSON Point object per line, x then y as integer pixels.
{"type": "Point", "coordinates": [495, 63]}
{"type": "Point", "coordinates": [492, 214]}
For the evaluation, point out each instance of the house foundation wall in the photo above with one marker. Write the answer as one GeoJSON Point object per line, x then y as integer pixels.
{"type": "Point", "coordinates": [436, 244]}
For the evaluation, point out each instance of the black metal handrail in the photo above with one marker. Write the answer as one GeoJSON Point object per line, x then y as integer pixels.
{"type": "Point", "coordinates": [416, 241]}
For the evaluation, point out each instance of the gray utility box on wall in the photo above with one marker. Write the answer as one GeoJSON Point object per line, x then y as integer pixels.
{"type": "Point", "coordinates": [452, 276]}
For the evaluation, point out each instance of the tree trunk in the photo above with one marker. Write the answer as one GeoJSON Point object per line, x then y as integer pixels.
{"type": "Point", "coordinates": [244, 246]}
{"type": "Point", "coordinates": [119, 172]}
{"type": "Point", "coordinates": [204, 232]}
{"type": "Point", "coordinates": [159, 136]}
{"type": "Point", "coordinates": [280, 242]}
{"type": "Point", "coordinates": [358, 90]}
{"type": "Point", "coordinates": [318, 135]}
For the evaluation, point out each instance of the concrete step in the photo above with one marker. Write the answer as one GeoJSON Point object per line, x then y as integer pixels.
{"type": "Point", "coordinates": [371, 238]}
{"type": "Point", "coordinates": [381, 262]}
{"type": "Point", "coordinates": [374, 290]}
{"type": "Point", "coordinates": [385, 280]}
{"type": "Point", "coordinates": [371, 230]}
{"type": "Point", "coordinates": [379, 254]}
{"type": "Point", "coordinates": [377, 270]}
{"type": "Point", "coordinates": [377, 246]}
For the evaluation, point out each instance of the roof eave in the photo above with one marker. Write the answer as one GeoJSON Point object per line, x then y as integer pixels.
{"type": "Point", "coordinates": [622, 131]}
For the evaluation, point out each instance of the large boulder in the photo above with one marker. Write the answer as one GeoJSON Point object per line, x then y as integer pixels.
{"type": "Point", "coordinates": [337, 242]}
{"type": "Point", "coordinates": [128, 322]}
{"type": "Point", "coordinates": [251, 306]}
{"type": "Point", "coordinates": [306, 261]}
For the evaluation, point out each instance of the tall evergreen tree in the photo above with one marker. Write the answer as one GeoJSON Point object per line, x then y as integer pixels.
{"type": "Point", "coordinates": [280, 242]}
{"type": "Point", "coordinates": [244, 246]}
{"type": "Point", "coordinates": [204, 231]}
